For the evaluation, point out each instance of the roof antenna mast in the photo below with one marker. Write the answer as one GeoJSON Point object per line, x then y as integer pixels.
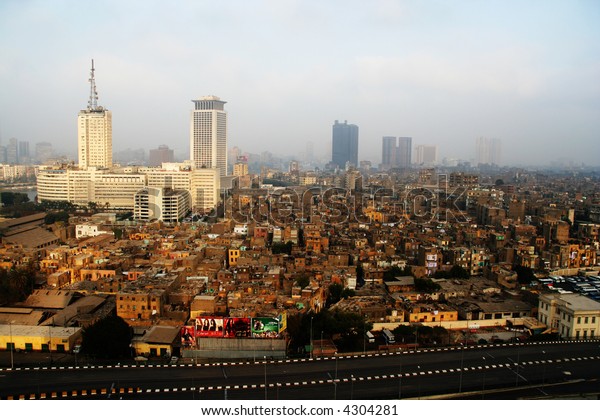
{"type": "Point", "coordinates": [93, 102]}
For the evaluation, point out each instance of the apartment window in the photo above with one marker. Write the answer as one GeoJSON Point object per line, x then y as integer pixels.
{"type": "Point", "coordinates": [579, 320]}
{"type": "Point", "coordinates": [593, 320]}
{"type": "Point", "coordinates": [586, 320]}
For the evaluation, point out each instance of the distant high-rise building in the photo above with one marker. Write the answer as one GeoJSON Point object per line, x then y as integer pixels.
{"type": "Point", "coordinates": [487, 151]}
{"type": "Point", "coordinates": [310, 154]}
{"type": "Point", "coordinates": [404, 152]}
{"type": "Point", "coordinates": [426, 155]}
{"type": "Point", "coordinates": [294, 166]}
{"type": "Point", "coordinates": [396, 153]}
{"type": "Point", "coordinates": [94, 132]}
{"type": "Point", "coordinates": [345, 144]}
{"type": "Point", "coordinates": [43, 152]}
{"type": "Point", "coordinates": [388, 152]}
{"type": "Point", "coordinates": [24, 156]}
{"type": "Point", "coordinates": [208, 134]}
{"type": "Point", "coordinates": [158, 156]}
{"type": "Point", "coordinates": [12, 151]}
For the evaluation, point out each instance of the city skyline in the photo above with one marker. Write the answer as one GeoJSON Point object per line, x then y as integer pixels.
{"type": "Point", "coordinates": [441, 74]}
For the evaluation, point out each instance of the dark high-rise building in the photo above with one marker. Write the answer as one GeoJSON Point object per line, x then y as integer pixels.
{"type": "Point", "coordinates": [23, 151]}
{"type": "Point", "coordinates": [345, 144]}
{"type": "Point", "coordinates": [388, 152]}
{"type": "Point", "coordinates": [404, 152]}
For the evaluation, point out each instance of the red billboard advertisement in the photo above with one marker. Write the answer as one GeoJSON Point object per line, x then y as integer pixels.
{"type": "Point", "coordinates": [209, 326]}
{"type": "Point", "coordinates": [237, 327]}
{"type": "Point", "coordinates": [188, 337]}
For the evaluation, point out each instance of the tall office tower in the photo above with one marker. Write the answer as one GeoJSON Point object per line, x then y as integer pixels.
{"type": "Point", "coordinates": [43, 151]}
{"type": "Point", "coordinates": [94, 132]}
{"type": "Point", "coordinates": [12, 151]}
{"type": "Point", "coordinates": [23, 152]}
{"type": "Point", "coordinates": [158, 156]}
{"type": "Point", "coordinates": [388, 152]}
{"type": "Point", "coordinates": [487, 151]}
{"type": "Point", "coordinates": [310, 154]}
{"type": "Point", "coordinates": [344, 144]}
{"type": "Point", "coordinates": [208, 134]}
{"type": "Point", "coordinates": [426, 155]}
{"type": "Point", "coordinates": [404, 152]}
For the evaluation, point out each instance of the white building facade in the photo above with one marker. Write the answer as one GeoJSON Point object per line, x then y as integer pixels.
{"type": "Point", "coordinates": [208, 134]}
{"type": "Point", "coordinates": [94, 132]}
{"type": "Point", "coordinates": [162, 204]}
{"type": "Point", "coordinates": [116, 190]}
{"type": "Point", "coordinates": [571, 315]}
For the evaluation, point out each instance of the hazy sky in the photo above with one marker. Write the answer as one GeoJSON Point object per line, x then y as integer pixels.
{"type": "Point", "coordinates": [442, 72]}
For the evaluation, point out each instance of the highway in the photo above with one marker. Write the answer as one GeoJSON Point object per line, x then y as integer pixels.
{"type": "Point", "coordinates": [500, 371]}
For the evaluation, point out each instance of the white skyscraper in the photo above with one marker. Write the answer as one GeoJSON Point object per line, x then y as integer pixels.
{"type": "Point", "coordinates": [487, 151]}
{"type": "Point", "coordinates": [208, 134]}
{"type": "Point", "coordinates": [94, 132]}
{"type": "Point", "coordinates": [426, 155]}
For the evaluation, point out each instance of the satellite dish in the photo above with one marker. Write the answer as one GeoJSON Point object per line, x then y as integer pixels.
{"type": "Point", "coordinates": [153, 311]}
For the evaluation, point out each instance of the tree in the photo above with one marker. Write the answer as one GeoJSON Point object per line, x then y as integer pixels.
{"type": "Point", "coordinates": [108, 338]}
{"type": "Point", "coordinates": [16, 284]}
{"type": "Point", "coordinates": [426, 286]}
{"type": "Point", "coordinates": [525, 275]}
{"type": "Point", "coordinates": [10, 198]}
{"type": "Point", "coordinates": [348, 329]}
{"type": "Point", "coordinates": [456, 272]}
{"type": "Point", "coordinates": [59, 216]}
{"type": "Point", "coordinates": [391, 273]}
{"type": "Point", "coordinates": [280, 248]}
{"type": "Point", "coordinates": [360, 274]}
{"type": "Point", "coordinates": [337, 292]}
{"type": "Point", "coordinates": [302, 280]}
{"type": "Point", "coordinates": [93, 206]}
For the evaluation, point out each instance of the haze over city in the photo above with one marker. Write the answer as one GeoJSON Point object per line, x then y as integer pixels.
{"type": "Point", "coordinates": [443, 73]}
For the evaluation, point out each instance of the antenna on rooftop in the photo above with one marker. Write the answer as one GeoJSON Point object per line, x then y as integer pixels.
{"type": "Point", "coordinates": [93, 102]}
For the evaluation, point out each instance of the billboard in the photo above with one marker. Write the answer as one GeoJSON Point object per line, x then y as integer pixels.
{"type": "Point", "coordinates": [237, 327]}
{"type": "Point", "coordinates": [209, 326]}
{"type": "Point", "coordinates": [265, 327]}
{"type": "Point", "coordinates": [188, 336]}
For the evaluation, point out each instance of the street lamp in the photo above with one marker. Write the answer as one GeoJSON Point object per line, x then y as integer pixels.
{"type": "Point", "coordinates": [400, 382]}
{"type": "Point", "coordinates": [462, 361]}
{"type": "Point", "coordinates": [265, 377]}
{"type": "Point", "coordinates": [321, 354]}
{"type": "Point", "coordinates": [351, 387]}
{"type": "Point", "coordinates": [12, 345]}
{"type": "Point", "coordinates": [483, 386]}
{"type": "Point", "coordinates": [544, 371]}
{"type": "Point", "coordinates": [50, 342]}
{"type": "Point", "coordinates": [518, 361]}
{"type": "Point", "coordinates": [336, 364]}
{"type": "Point", "coordinates": [311, 337]}
{"type": "Point", "coordinates": [419, 382]}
